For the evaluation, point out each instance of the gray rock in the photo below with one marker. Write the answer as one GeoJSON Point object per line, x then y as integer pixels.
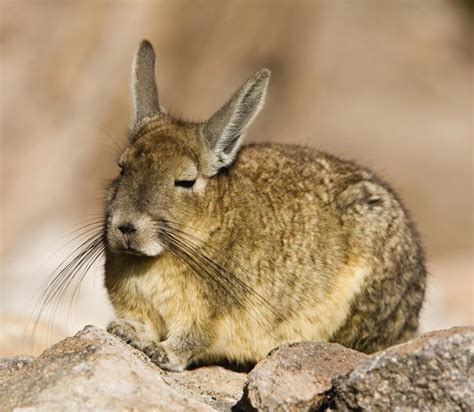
{"type": "Point", "coordinates": [297, 377]}
{"type": "Point", "coordinates": [94, 370]}
{"type": "Point", "coordinates": [10, 365]}
{"type": "Point", "coordinates": [432, 373]}
{"type": "Point", "coordinates": [218, 387]}
{"type": "Point", "coordinates": [97, 371]}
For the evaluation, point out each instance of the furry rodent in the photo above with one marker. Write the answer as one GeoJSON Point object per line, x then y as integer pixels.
{"type": "Point", "coordinates": [217, 251]}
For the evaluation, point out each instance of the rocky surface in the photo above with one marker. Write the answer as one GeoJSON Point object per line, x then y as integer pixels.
{"type": "Point", "coordinates": [297, 377]}
{"type": "Point", "coordinates": [433, 373]}
{"type": "Point", "coordinates": [94, 370]}
{"type": "Point", "coordinates": [97, 371]}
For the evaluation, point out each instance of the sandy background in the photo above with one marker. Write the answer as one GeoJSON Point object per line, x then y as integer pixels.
{"type": "Point", "coordinates": [388, 83]}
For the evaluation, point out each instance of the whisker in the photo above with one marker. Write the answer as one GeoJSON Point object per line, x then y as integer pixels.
{"type": "Point", "coordinates": [68, 279]}
{"type": "Point", "coordinates": [80, 260]}
{"type": "Point", "coordinates": [188, 257]}
{"type": "Point", "coordinates": [228, 289]}
{"type": "Point", "coordinates": [84, 230]}
{"type": "Point", "coordinates": [207, 246]}
{"type": "Point", "coordinates": [95, 257]}
{"type": "Point", "coordinates": [77, 253]}
{"type": "Point", "coordinates": [242, 291]}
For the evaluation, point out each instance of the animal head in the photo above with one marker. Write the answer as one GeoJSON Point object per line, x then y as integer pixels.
{"type": "Point", "coordinates": [169, 164]}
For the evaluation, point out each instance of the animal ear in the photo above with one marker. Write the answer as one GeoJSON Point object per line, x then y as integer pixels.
{"type": "Point", "coordinates": [145, 99]}
{"type": "Point", "coordinates": [225, 130]}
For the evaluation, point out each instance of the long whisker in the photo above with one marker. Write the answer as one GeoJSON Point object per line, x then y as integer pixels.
{"type": "Point", "coordinates": [95, 257]}
{"type": "Point", "coordinates": [74, 235]}
{"type": "Point", "coordinates": [183, 250]}
{"type": "Point", "coordinates": [183, 253]}
{"type": "Point", "coordinates": [205, 245]}
{"type": "Point", "coordinates": [63, 269]}
{"type": "Point", "coordinates": [177, 227]}
{"type": "Point", "coordinates": [80, 267]}
{"type": "Point", "coordinates": [80, 262]}
{"type": "Point", "coordinates": [235, 284]}
{"type": "Point", "coordinates": [82, 231]}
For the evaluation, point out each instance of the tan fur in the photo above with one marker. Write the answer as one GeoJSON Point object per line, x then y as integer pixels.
{"type": "Point", "coordinates": [220, 251]}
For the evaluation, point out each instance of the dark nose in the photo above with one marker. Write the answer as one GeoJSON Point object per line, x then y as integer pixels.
{"type": "Point", "coordinates": [127, 228]}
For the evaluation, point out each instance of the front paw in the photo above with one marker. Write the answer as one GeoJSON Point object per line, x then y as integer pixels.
{"type": "Point", "coordinates": [164, 357]}
{"type": "Point", "coordinates": [123, 329]}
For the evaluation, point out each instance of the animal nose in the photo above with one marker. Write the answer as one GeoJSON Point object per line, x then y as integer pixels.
{"type": "Point", "coordinates": [127, 228]}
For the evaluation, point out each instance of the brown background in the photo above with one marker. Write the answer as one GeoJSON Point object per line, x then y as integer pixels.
{"type": "Point", "coordinates": [387, 83]}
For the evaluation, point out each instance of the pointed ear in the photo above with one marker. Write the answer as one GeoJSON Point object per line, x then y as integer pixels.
{"type": "Point", "coordinates": [225, 130]}
{"type": "Point", "coordinates": [145, 100]}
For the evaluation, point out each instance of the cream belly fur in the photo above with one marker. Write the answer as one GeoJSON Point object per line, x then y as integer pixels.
{"type": "Point", "coordinates": [156, 294]}
{"type": "Point", "coordinates": [240, 338]}
{"type": "Point", "coordinates": [166, 306]}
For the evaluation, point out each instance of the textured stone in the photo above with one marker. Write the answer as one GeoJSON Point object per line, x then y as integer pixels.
{"type": "Point", "coordinates": [432, 373]}
{"type": "Point", "coordinates": [94, 370]}
{"type": "Point", "coordinates": [297, 377]}
{"type": "Point", "coordinates": [97, 371]}
{"type": "Point", "coordinates": [221, 388]}
{"type": "Point", "coordinates": [10, 365]}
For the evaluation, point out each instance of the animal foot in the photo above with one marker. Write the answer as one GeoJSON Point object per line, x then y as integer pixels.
{"type": "Point", "coordinates": [123, 329]}
{"type": "Point", "coordinates": [164, 357]}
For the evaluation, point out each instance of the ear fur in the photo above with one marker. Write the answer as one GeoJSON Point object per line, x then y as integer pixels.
{"type": "Point", "coordinates": [225, 130]}
{"type": "Point", "coordinates": [145, 99]}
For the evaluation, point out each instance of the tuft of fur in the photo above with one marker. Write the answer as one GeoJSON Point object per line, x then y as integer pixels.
{"type": "Point", "coordinates": [221, 251]}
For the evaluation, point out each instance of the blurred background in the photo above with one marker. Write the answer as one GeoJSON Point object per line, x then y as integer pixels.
{"type": "Point", "coordinates": [387, 83]}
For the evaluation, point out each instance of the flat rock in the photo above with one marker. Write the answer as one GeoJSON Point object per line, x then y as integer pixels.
{"type": "Point", "coordinates": [297, 377]}
{"type": "Point", "coordinates": [432, 373]}
{"type": "Point", "coordinates": [95, 370]}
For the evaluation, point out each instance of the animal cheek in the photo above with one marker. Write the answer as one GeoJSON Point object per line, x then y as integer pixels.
{"type": "Point", "coordinates": [200, 185]}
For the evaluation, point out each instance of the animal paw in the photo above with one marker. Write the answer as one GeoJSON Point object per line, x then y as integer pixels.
{"type": "Point", "coordinates": [124, 330]}
{"type": "Point", "coordinates": [164, 357]}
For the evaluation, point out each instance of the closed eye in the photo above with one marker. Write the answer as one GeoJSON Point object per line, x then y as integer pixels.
{"type": "Point", "coordinates": [185, 183]}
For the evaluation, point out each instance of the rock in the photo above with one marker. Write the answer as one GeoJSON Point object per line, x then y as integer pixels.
{"type": "Point", "coordinates": [297, 377]}
{"type": "Point", "coordinates": [221, 388]}
{"type": "Point", "coordinates": [95, 370]}
{"type": "Point", "coordinates": [432, 373]}
{"type": "Point", "coordinates": [15, 363]}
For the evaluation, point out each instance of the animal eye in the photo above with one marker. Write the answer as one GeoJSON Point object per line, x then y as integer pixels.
{"type": "Point", "coordinates": [185, 183]}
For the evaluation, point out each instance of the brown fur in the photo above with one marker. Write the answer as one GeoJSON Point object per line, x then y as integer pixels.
{"type": "Point", "coordinates": [271, 244]}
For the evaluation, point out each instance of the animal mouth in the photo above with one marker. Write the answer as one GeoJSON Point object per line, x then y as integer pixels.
{"type": "Point", "coordinates": [148, 249]}
{"type": "Point", "coordinates": [131, 251]}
